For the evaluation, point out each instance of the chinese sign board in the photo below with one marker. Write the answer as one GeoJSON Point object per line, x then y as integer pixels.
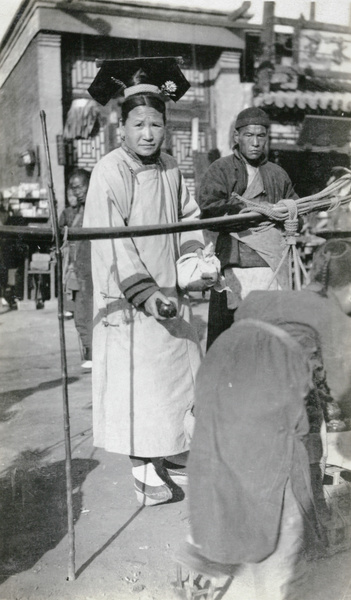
{"type": "Point", "coordinates": [325, 51]}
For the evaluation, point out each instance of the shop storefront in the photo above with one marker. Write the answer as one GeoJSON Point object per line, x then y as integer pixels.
{"type": "Point", "coordinates": [303, 83]}
{"type": "Point", "coordinates": [47, 62]}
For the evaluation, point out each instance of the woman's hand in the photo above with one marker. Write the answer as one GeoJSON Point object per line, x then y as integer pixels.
{"type": "Point", "coordinates": [151, 307]}
{"type": "Point", "coordinates": [209, 278]}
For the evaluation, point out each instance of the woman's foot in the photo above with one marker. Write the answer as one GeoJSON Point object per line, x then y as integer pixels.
{"type": "Point", "coordinates": [176, 472]}
{"type": "Point", "coordinates": [150, 489]}
{"type": "Point", "coordinates": [87, 365]}
{"type": "Point", "coordinates": [149, 495]}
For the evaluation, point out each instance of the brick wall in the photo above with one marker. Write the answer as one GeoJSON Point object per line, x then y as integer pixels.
{"type": "Point", "coordinates": [19, 108]}
{"type": "Point", "coordinates": [34, 84]}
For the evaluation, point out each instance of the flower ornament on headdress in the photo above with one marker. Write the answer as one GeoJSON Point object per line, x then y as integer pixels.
{"type": "Point", "coordinates": [118, 82]}
{"type": "Point", "coordinates": [169, 88]}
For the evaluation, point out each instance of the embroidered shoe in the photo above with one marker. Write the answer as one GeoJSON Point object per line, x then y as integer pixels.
{"type": "Point", "coordinates": [177, 473]}
{"type": "Point", "coordinates": [149, 487]}
{"type": "Point", "coordinates": [87, 365]}
{"type": "Point", "coordinates": [149, 495]}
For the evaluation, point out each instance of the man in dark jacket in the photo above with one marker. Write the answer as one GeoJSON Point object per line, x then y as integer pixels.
{"type": "Point", "coordinates": [247, 260]}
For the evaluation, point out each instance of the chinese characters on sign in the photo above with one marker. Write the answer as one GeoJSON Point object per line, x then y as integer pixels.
{"type": "Point", "coordinates": [325, 51]}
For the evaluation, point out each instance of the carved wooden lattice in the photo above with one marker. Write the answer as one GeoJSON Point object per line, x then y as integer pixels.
{"type": "Point", "coordinates": [85, 153]}
{"type": "Point", "coordinates": [83, 73]}
{"type": "Point", "coordinates": [197, 89]}
{"type": "Point", "coordinates": [182, 152]}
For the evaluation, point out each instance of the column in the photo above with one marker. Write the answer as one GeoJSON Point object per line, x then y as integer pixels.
{"type": "Point", "coordinates": [50, 100]}
{"type": "Point", "coordinates": [227, 98]}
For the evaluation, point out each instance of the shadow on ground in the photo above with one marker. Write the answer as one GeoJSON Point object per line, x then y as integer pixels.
{"type": "Point", "coordinates": [12, 397]}
{"type": "Point", "coordinates": [34, 510]}
{"type": "Point", "coordinates": [200, 326]}
{"type": "Point", "coordinates": [108, 542]}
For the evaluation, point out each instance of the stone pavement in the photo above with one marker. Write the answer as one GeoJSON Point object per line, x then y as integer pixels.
{"type": "Point", "coordinates": [123, 551]}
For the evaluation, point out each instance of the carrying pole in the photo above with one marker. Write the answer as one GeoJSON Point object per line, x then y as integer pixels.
{"type": "Point", "coordinates": [68, 463]}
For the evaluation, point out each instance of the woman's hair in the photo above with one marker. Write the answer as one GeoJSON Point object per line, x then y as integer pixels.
{"type": "Point", "coordinates": [143, 99]}
{"type": "Point", "coordinates": [331, 265]}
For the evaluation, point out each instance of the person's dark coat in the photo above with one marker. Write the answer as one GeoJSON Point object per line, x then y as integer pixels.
{"type": "Point", "coordinates": [225, 176]}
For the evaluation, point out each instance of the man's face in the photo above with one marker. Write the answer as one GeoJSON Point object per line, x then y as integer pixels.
{"type": "Point", "coordinates": [79, 188]}
{"type": "Point", "coordinates": [252, 140]}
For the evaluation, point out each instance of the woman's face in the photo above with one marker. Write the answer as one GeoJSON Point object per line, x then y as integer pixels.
{"type": "Point", "coordinates": [144, 130]}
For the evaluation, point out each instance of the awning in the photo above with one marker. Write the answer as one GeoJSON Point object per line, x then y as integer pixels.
{"type": "Point", "coordinates": [331, 132]}
{"type": "Point", "coordinates": [303, 100]}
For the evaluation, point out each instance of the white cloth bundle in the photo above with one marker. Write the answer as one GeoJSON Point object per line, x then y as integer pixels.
{"type": "Point", "coordinates": [191, 267]}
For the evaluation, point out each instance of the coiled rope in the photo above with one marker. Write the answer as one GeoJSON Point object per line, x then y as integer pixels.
{"type": "Point", "coordinates": [288, 212]}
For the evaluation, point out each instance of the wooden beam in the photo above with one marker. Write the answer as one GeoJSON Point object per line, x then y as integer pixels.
{"type": "Point", "coordinates": [312, 11]}
{"type": "Point", "coordinates": [156, 14]}
{"type": "Point", "coordinates": [240, 12]}
{"type": "Point", "coordinates": [312, 25]}
{"type": "Point", "coordinates": [267, 35]}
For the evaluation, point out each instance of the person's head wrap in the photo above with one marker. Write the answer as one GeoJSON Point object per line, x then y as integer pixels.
{"type": "Point", "coordinates": [331, 265]}
{"type": "Point", "coordinates": [153, 75]}
{"type": "Point", "coordinates": [252, 116]}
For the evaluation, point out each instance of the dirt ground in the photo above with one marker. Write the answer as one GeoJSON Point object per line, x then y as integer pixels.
{"type": "Point", "coordinates": [123, 551]}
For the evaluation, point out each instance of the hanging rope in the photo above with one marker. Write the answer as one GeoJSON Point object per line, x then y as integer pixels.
{"type": "Point", "coordinates": [290, 253]}
{"type": "Point", "coordinates": [337, 194]}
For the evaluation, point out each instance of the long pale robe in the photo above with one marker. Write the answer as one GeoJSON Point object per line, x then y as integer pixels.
{"type": "Point", "coordinates": [143, 369]}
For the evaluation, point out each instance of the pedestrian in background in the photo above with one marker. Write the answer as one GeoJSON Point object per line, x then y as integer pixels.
{"type": "Point", "coordinates": [66, 219]}
{"type": "Point", "coordinates": [78, 282]}
{"type": "Point", "coordinates": [69, 213]}
{"type": "Point", "coordinates": [3, 268]}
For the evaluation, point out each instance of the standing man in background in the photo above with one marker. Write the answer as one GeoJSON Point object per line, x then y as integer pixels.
{"type": "Point", "coordinates": [66, 219]}
{"type": "Point", "coordinates": [247, 260]}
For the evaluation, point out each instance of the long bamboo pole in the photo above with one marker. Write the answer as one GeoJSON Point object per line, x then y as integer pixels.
{"type": "Point", "coordinates": [236, 223]}
{"type": "Point", "coordinates": [68, 462]}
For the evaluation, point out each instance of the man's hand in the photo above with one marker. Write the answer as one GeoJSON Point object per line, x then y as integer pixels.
{"type": "Point", "coordinates": [151, 307]}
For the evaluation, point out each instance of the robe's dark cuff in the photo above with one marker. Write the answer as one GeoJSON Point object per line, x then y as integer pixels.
{"type": "Point", "coordinates": [138, 288]}
{"type": "Point", "coordinates": [190, 246]}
